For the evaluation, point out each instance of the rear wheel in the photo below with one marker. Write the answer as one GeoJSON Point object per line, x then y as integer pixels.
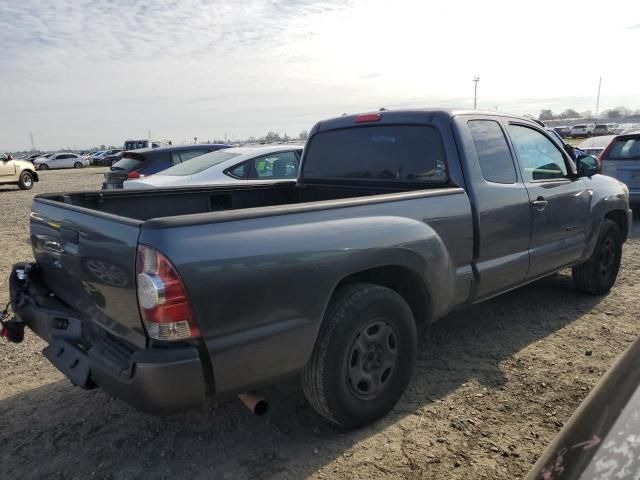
{"type": "Point", "coordinates": [77, 165]}
{"type": "Point", "coordinates": [26, 181]}
{"type": "Point", "coordinates": [598, 274]}
{"type": "Point", "coordinates": [43, 166]}
{"type": "Point", "coordinates": [364, 356]}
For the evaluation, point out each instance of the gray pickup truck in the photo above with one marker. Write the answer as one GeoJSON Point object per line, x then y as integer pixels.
{"type": "Point", "coordinates": [166, 297]}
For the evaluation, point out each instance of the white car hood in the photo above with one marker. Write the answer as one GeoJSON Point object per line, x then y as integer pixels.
{"type": "Point", "coordinates": [159, 181]}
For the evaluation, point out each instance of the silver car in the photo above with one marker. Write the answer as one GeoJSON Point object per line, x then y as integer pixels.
{"type": "Point", "coordinates": [621, 160]}
{"type": "Point", "coordinates": [582, 130]}
{"type": "Point", "coordinates": [229, 166]}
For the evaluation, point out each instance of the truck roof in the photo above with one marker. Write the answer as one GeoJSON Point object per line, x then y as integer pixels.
{"type": "Point", "coordinates": [415, 115]}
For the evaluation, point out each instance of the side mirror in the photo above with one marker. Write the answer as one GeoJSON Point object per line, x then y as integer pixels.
{"type": "Point", "coordinates": [588, 166]}
{"type": "Point", "coordinates": [9, 157]}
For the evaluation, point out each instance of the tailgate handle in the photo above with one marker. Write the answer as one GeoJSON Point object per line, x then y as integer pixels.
{"type": "Point", "coordinates": [69, 235]}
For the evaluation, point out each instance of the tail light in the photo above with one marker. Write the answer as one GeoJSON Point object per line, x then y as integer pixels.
{"type": "Point", "coordinates": [134, 174]}
{"type": "Point", "coordinates": [368, 117]}
{"type": "Point", "coordinates": [162, 298]}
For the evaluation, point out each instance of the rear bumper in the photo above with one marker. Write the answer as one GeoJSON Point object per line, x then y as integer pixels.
{"type": "Point", "coordinates": [154, 380]}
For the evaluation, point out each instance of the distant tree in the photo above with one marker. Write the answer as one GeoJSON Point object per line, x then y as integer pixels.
{"type": "Point", "coordinates": [586, 114]}
{"type": "Point", "coordinates": [303, 135]}
{"type": "Point", "coordinates": [613, 114]}
{"type": "Point", "coordinates": [624, 111]}
{"type": "Point", "coordinates": [251, 140]}
{"type": "Point", "coordinates": [570, 113]}
{"type": "Point", "coordinates": [545, 114]}
{"type": "Point", "coordinates": [528, 115]}
{"type": "Point", "coordinates": [273, 137]}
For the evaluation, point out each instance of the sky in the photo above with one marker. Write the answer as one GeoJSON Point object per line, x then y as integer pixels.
{"type": "Point", "coordinates": [89, 72]}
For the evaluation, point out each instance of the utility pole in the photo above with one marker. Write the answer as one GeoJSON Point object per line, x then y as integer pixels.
{"type": "Point", "coordinates": [33, 144]}
{"type": "Point", "coordinates": [476, 79]}
{"type": "Point", "coordinates": [598, 100]}
{"type": "Point", "coordinates": [149, 135]}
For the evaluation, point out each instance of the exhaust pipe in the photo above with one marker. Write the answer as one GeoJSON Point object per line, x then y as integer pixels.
{"type": "Point", "coordinates": [258, 405]}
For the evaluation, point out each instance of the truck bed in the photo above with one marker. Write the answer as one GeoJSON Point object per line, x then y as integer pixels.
{"type": "Point", "coordinates": [158, 203]}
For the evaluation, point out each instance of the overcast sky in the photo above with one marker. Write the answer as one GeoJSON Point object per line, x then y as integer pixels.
{"type": "Point", "coordinates": [85, 73]}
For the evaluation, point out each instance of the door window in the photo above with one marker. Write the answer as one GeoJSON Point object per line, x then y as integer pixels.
{"type": "Point", "coordinates": [494, 157]}
{"type": "Point", "coordinates": [275, 166]}
{"type": "Point", "coordinates": [179, 157]}
{"type": "Point", "coordinates": [538, 155]}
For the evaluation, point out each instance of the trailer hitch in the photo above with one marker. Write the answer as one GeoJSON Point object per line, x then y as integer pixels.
{"type": "Point", "coordinates": [13, 328]}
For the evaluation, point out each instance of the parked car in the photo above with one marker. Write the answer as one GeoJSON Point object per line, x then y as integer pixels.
{"type": "Point", "coordinates": [17, 172]}
{"type": "Point", "coordinates": [621, 160]}
{"type": "Point", "coordinates": [600, 440]}
{"type": "Point", "coordinates": [582, 130]}
{"type": "Point", "coordinates": [626, 127]}
{"type": "Point", "coordinates": [61, 160]}
{"type": "Point", "coordinates": [563, 131]}
{"type": "Point", "coordinates": [574, 152]}
{"type": "Point", "coordinates": [138, 144]}
{"type": "Point", "coordinates": [232, 165]}
{"type": "Point", "coordinates": [147, 161]}
{"type": "Point", "coordinates": [32, 157]}
{"type": "Point", "coordinates": [605, 129]}
{"type": "Point", "coordinates": [397, 218]}
{"type": "Point", "coordinates": [595, 145]}
{"type": "Point", "coordinates": [107, 157]}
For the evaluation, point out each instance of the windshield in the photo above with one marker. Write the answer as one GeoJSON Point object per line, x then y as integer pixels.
{"type": "Point", "coordinates": [381, 153]}
{"type": "Point", "coordinates": [579, 126]}
{"type": "Point", "coordinates": [198, 164]}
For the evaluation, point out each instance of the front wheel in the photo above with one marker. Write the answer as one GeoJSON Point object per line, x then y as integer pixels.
{"type": "Point", "coordinates": [26, 181]}
{"type": "Point", "coordinates": [43, 166]}
{"type": "Point", "coordinates": [598, 274]}
{"type": "Point", "coordinates": [77, 165]}
{"type": "Point", "coordinates": [364, 356]}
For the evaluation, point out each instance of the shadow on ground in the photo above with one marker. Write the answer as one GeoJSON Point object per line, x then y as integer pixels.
{"type": "Point", "coordinates": [58, 431]}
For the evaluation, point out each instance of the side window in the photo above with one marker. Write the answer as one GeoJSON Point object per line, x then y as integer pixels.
{"type": "Point", "coordinates": [539, 156]}
{"type": "Point", "coordinates": [189, 154]}
{"type": "Point", "coordinates": [494, 157]}
{"type": "Point", "coordinates": [239, 171]}
{"type": "Point", "coordinates": [179, 157]}
{"type": "Point", "coordinates": [274, 166]}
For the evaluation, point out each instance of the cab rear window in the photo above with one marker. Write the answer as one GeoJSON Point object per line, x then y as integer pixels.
{"type": "Point", "coordinates": [624, 149]}
{"type": "Point", "coordinates": [381, 153]}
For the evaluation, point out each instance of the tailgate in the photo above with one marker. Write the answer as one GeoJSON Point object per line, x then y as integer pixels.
{"type": "Point", "coordinates": [88, 261]}
{"type": "Point", "coordinates": [627, 171]}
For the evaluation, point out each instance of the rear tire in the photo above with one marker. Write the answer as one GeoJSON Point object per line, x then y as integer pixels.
{"type": "Point", "coordinates": [364, 355]}
{"type": "Point", "coordinates": [77, 165]}
{"type": "Point", "coordinates": [598, 274]}
{"type": "Point", "coordinates": [26, 181]}
{"type": "Point", "coordinates": [43, 166]}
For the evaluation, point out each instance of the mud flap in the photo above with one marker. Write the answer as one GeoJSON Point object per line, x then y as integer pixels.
{"type": "Point", "coordinates": [72, 362]}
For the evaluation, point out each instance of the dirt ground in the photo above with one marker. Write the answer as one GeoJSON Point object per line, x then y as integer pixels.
{"type": "Point", "coordinates": [494, 384]}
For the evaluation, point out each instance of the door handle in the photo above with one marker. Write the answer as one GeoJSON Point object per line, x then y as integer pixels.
{"type": "Point", "coordinates": [539, 204]}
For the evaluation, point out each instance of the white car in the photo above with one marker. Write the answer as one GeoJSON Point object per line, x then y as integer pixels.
{"type": "Point", "coordinates": [582, 130]}
{"type": "Point", "coordinates": [229, 166]}
{"type": "Point", "coordinates": [61, 160]}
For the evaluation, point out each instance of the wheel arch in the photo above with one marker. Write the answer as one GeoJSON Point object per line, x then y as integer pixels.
{"type": "Point", "coordinates": [406, 282]}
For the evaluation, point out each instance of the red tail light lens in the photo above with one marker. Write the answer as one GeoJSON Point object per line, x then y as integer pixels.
{"type": "Point", "coordinates": [162, 298]}
{"type": "Point", "coordinates": [134, 174]}
{"type": "Point", "coordinates": [369, 117]}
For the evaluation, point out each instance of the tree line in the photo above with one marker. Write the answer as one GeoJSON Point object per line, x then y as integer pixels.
{"type": "Point", "coordinates": [617, 113]}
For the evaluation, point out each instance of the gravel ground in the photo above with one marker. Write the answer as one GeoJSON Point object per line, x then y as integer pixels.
{"type": "Point", "coordinates": [494, 384]}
